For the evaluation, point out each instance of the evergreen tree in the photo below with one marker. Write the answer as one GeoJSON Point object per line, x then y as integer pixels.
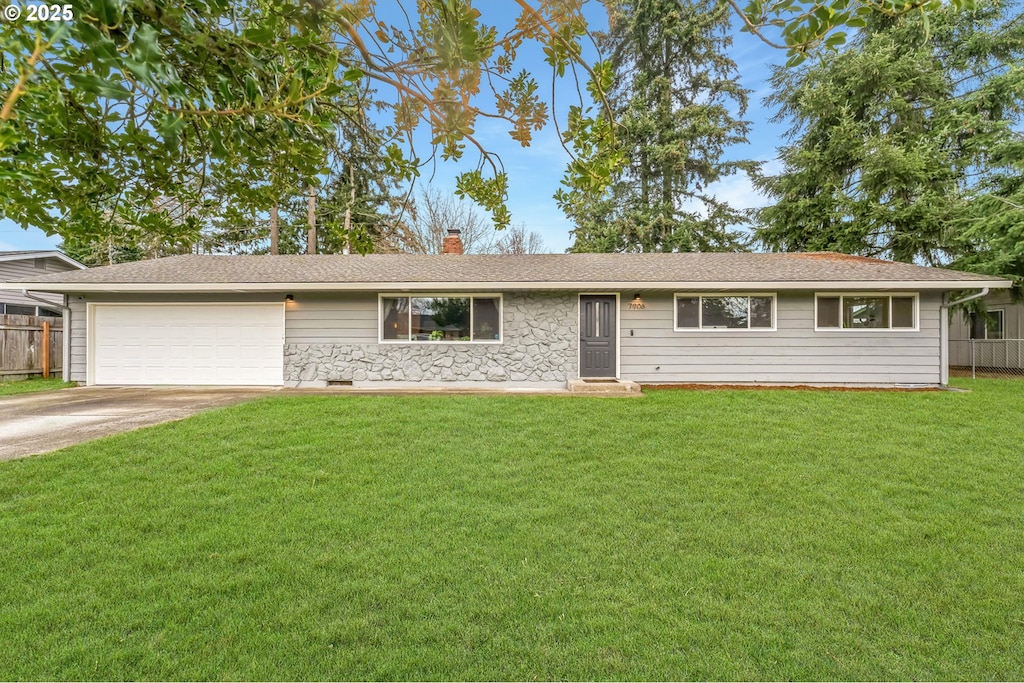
{"type": "Point", "coordinates": [674, 94]}
{"type": "Point", "coordinates": [359, 184]}
{"type": "Point", "coordinates": [992, 233]}
{"type": "Point", "coordinates": [897, 137]}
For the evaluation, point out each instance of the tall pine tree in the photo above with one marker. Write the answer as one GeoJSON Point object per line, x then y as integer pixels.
{"type": "Point", "coordinates": [904, 144]}
{"type": "Point", "coordinates": [676, 98]}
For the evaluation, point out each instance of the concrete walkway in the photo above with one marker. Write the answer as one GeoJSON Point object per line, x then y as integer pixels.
{"type": "Point", "coordinates": [41, 422]}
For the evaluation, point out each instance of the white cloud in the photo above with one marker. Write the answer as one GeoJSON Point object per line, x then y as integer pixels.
{"type": "Point", "coordinates": [739, 192]}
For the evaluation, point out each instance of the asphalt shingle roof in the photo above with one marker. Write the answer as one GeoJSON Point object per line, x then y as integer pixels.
{"type": "Point", "coordinates": [25, 252]}
{"type": "Point", "coordinates": [526, 271]}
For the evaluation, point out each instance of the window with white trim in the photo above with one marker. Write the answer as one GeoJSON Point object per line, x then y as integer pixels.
{"type": "Point", "coordinates": [455, 318]}
{"type": "Point", "coordinates": [865, 311]}
{"type": "Point", "coordinates": [987, 325]}
{"type": "Point", "coordinates": [724, 312]}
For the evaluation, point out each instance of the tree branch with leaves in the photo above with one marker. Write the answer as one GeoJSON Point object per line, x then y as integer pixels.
{"type": "Point", "coordinates": [138, 99]}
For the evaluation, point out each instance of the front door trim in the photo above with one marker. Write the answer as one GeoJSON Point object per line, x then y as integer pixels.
{"type": "Point", "coordinates": [618, 333]}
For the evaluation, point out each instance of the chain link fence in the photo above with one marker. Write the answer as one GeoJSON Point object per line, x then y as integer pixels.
{"type": "Point", "coordinates": [1002, 358]}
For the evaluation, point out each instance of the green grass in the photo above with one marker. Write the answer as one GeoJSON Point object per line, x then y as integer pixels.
{"type": "Point", "coordinates": [33, 384]}
{"type": "Point", "coordinates": [684, 535]}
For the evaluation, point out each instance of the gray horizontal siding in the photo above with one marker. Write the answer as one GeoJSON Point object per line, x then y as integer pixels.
{"type": "Point", "coordinates": [960, 329]}
{"type": "Point", "coordinates": [332, 319]}
{"type": "Point", "coordinates": [79, 361]}
{"type": "Point", "coordinates": [10, 296]}
{"type": "Point", "coordinates": [959, 325]}
{"type": "Point", "coordinates": [653, 352]}
{"type": "Point", "coordinates": [26, 270]}
{"type": "Point", "coordinates": [1013, 318]}
{"type": "Point", "coordinates": [19, 270]}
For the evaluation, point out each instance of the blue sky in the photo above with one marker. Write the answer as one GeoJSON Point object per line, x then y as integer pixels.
{"type": "Point", "coordinates": [535, 172]}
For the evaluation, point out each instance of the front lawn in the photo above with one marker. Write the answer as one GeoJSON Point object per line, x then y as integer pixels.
{"type": "Point", "coordinates": [684, 535]}
{"type": "Point", "coordinates": [33, 384]}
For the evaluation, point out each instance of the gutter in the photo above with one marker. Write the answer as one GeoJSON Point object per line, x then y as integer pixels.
{"type": "Point", "coordinates": [944, 332]}
{"type": "Point", "coordinates": [972, 297]}
{"type": "Point", "coordinates": [490, 286]}
{"type": "Point", "coordinates": [65, 368]}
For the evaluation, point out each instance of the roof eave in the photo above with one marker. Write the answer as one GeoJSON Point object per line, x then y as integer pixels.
{"type": "Point", "coordinates": [60, 256]}
{"type": "Point", "coordinates": [242, 287]}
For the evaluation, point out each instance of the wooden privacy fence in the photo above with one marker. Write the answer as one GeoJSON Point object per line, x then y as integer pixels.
{"type": "Point", "coordinates": [30, 345]}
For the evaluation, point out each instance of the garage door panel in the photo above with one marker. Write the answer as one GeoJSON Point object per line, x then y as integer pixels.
{"type": "Point", "coordinates": [239, 344]}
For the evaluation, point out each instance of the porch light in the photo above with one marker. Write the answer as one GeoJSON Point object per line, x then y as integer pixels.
{"type": "Point", "coordinates": [637, 303]}
{"type": "Point", "coordinates": [289, 297]}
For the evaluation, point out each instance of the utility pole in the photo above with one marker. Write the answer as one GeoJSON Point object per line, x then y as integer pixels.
{"type": "Point", "coordinates": [348, 211]}
{"type": "Point", "coordinates": [311, 215]}
{"type": "Point", "coordinates": [273, 231]}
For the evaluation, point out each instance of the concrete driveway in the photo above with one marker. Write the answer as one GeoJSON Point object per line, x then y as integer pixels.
{"type": "Point", "coordinates": [37, 423]}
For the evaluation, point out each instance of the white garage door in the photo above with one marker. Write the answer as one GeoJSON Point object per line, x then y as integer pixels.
{"type": "Point", "coordinates": [240, 344]}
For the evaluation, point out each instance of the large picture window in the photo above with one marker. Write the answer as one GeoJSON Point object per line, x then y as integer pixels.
{"type": "Point", "coordinates": [725, 312]}
{"type": "Point", "coordinates": [866, 312]}
{"type": "Point", "coordinates": [457, 318]}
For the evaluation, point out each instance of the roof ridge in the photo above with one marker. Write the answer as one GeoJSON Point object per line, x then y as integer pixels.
{"type": "Point", "coordinates": [715, 270]}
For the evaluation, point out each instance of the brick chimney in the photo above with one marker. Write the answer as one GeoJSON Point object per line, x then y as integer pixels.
{"type": "Point", "coordinates": [453, 242]}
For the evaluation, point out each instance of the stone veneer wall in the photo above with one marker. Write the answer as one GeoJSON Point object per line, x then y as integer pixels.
{"type": "Point", "coordinates": [539, 346]}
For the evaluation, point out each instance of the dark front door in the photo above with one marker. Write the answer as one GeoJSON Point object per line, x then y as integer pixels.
{"type": "Point", "coordinates": [597, 336]}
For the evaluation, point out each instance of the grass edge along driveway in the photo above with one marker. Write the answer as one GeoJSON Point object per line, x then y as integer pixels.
{"type": "Point", "coordinates": [687, 535]}
{"type": "Point", "coordinates": [32, 385]}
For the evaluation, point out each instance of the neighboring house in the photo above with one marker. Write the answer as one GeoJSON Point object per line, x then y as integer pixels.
{"type": "Point", "coordinates": [32, 265]}
{"type": "Point", "coordinates": [529, 321]}
{"type": "Point", "coordinates": [1005, 320]}
{"type": "Point", "coordinates": [996, 335]}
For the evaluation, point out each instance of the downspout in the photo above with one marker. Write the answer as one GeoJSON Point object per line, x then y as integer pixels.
{"type": "Point", "coordinates": [65, 368]}
{"type": "Point", "coordinates": [944, 332]}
